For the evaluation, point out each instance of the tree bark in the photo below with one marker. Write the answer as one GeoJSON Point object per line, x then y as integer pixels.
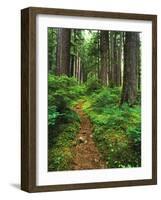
{"type": "Point", "coordinates": [115, 65]}
{"type": "Point", "coordinates": [119, 59]}
{"type": "Point", "coordinates": [116, 57]}
{"type": "Point", "coordinates": [111, 60]}
{"type": "Point", "coordinates": [104, 42]}
{"type": "Point", "coordinates": [98, 57]}
{"type": "Point", "coordinates": [139, 62]}
{"type": "Point", "coordinates": [129, 91]}
{"type": "Point", "coordinates": [63, 52]}
{"type": "Point", "coordinates": [71, 65]}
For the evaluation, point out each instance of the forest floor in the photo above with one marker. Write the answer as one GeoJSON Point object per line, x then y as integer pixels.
{"type": "Point", "coordinates": [88, 129]}
{"type": "Point", "coordinates": [86, 154]}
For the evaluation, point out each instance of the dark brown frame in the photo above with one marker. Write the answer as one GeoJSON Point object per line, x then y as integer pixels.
{"type": "Point", "coordinates": [28, 98]}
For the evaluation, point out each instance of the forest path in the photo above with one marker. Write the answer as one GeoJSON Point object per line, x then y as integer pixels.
{"type": "Point", "coordinates": [86, 153]}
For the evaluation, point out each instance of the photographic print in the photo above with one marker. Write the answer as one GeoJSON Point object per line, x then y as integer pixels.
{"type": "Point", "coordinates": [88, 99]}
{"type": "Point", "coordinates": [94, 99]}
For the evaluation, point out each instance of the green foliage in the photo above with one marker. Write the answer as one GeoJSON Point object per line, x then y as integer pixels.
{"type": "Point", "coordinates": [116, 130]}
{"type": "Point", "coordinates": [60, 152]}
{"type": "Point", "coordinates": [63, 122]}
{"type": "Point", "coordinates": [134, 132]}
{"type": "Point", "coordinates": [93, 84]}
{"type": "Point", "coordinates": [52, 115]}
{"type": "Point", "coordinates": [106, 97]}
{"type": "Point", "coordinates": [85, 43]}
{"type": "Point", "coordinates": [62, 91]}
{"type": "Point", "coordinates": [52, 45]}
{"type": "Point", "coordinates": [70, 116]}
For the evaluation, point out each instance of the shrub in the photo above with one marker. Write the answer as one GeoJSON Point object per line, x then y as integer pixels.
{"type": "Point", "coordinates": [116, 129]}
{"type": "Point", "coordinates": [106, 97]}
{"type": "Point", "coordinates": [62, 120]}
{"type": "Point", "coordinates": [60, 152]}
{"type": "Point", "coordinates": [62, 91]}
{"type": "Point", "coordinates": [93, 84]}
{"type": "Point", "coordinates": [64, 86]}
{"type": "Point", "coordinates": [52, 115]}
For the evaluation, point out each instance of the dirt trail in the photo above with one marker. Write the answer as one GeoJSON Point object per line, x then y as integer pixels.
{"type": "Point", "coordinates": [86, 152]}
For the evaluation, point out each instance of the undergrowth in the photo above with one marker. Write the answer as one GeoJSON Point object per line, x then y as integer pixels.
{"type": "Point", "coordinates": [63, 122]}
{"type": "Point", "coordinates": [116, 129]}
{"type": "Point", "coordinates": [60, 154]}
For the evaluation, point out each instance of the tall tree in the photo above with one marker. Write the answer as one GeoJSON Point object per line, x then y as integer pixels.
{"type": "Point", "coordinates": [111, 56]}
{"type": "Point", "coordinates": [114, 61]}
{"type": "Point", "coordinates": [119, 57]}
{"type": "Point", "coordinates": [63, 51]}
{"type": "Point", "coordinates": [129, 91]}
{"type": "Point", "coordinates": [104, 42]}
{"type": "Point", "coordinates": [98, 54]}
{"type": "Point", "coordinates": [139, 61]}
{"type": "Point", "coordinates": [52, 46]}
{"type": "Point", "coordinates": [77, 60]}
{"type": "Point", "coordinates": [116, 58]}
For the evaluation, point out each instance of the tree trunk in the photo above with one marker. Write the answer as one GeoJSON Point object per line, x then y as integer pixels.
{"type": "Point", "coordinates": [72, 65]}
{"type": "Point", "coordinates": [116, 57]}
{"type": "Point", "coordinates": [119, 59]}
{"type": "Point", "coordinates": [115, 65]}
{"type": "Point", "coordinates": [79, 70]}
{"type": "Point", "coordinates": [139, 62]}
{"type": "Point", "coordinates": [98, 56]}
{"type": "Point", "coordinates": [110, 56]}
{"type": "Point", "coordinates": [129, 91]}
{"type": "Point", "coordinates": [104, 57]}
{"type": "Point", "coordinates": [63, 52]}
{"type": "Point", "coordinates": [111, 60]}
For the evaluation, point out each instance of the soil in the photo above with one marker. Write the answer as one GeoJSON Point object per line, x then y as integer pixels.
{"type": "Point", "coordinates": [85, 150]}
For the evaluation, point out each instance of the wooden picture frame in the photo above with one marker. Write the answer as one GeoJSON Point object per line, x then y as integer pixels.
{"type": "Point", "coordinates": [28, 98]}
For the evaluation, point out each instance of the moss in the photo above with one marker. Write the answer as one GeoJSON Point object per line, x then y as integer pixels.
{"type": "Point", "coordinates": [116, 130]}
{"type": "Point", "coordinates": [60, 153]}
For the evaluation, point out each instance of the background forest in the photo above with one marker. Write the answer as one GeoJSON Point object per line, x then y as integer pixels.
{"type": "Point", "coordinates": [94, 99]}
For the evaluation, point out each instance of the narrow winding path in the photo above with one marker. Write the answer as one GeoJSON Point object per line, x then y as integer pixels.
{"type": "Point", "coordinates": [87, 155]}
